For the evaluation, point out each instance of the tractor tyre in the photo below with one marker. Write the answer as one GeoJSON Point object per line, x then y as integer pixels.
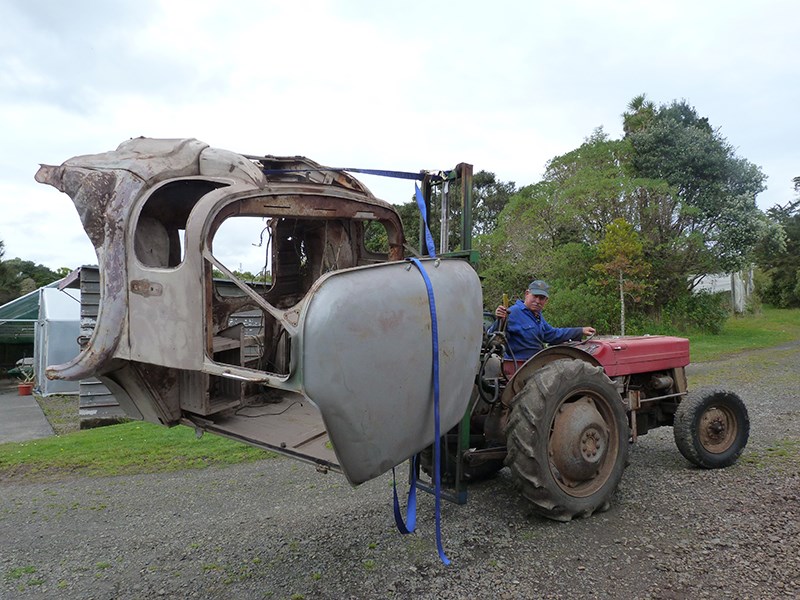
{"type": "Point", "coordinates": [447, 459]}
{"type": "Point", "coordinates": [567, 440]}
{"type": "Point", "coordinates": [711, 428]}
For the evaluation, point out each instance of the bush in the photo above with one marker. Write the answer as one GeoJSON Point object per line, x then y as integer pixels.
{"type": "Point", "coordinates": [579, 307]}
{"type": "Point", "coordinates": [701, 311]}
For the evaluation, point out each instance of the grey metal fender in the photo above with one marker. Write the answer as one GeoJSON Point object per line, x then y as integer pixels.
{"type": "Point", "coordinates": [367, 358]}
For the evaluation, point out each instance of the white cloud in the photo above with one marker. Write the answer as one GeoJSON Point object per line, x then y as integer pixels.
{"type": "Point", "coordinates": [403, 86]}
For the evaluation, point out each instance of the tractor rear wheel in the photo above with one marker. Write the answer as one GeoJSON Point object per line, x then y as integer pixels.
{"type": "Point", "coordinates": [711, 428]}
{"type": "Point", "coordinates": [567, 440]}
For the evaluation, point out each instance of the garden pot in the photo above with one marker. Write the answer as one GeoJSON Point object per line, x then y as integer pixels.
{"type": "Point", "coordinates": [25, 389]}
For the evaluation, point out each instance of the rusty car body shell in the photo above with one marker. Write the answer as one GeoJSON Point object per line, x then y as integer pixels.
{"type": "Point", "coordinates": [338, 372]}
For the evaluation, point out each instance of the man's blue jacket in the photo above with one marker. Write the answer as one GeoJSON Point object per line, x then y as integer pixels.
{"type": "Point", "coordinates": [528, 332]}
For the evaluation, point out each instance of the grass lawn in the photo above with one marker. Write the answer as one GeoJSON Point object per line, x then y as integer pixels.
{"type": "Point", "coordinates": [128, 448]}
{"type": "Point", "coordinates": [772, 327]}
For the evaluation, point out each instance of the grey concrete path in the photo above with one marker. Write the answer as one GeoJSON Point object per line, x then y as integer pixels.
{"type": "Point", "coordinates": [21, 418]}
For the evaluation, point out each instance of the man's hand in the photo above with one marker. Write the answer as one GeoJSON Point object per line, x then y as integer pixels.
{"type": "Point", "coordinates": [501, 312]}
{"type": "Point", "coordinates": [589, 331]}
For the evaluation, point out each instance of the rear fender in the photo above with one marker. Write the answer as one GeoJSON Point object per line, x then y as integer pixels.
{"type": "Point", "coordinates": [367, 358]}
{"type": "Point", "coordinates": [537, 361]}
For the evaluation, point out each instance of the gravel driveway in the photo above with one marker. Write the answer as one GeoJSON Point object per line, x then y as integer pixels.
{"type": "Point", "coordinates": [277, 529]}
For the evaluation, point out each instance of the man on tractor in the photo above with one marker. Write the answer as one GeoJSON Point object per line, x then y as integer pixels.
{"type": "Point", "coordinates": [526, 330]}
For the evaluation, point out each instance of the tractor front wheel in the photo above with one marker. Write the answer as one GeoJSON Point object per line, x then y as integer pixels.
{"type": "Point", "coordinates": [711, 428]}
{"type": "Point", "coordinates": [567, 440]}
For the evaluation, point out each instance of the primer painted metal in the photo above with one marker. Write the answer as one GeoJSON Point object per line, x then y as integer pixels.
{"type": "Point", "coordinates": [375, 391]}
{"type": "Point", "coordinates": [343, 352]}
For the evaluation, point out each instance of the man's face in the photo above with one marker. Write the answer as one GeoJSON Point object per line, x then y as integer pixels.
{"type": "Point", "coordinates": [535, 302]}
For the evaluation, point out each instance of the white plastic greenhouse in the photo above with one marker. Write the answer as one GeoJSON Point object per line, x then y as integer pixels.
{"type": "Point", "coordinates": [56, 337]}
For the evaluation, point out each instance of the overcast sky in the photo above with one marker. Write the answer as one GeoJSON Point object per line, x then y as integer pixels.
{"type": "Point", "coordinates": [406, 85]}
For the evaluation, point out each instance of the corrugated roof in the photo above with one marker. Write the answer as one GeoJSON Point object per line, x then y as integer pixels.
{"type": "Point", "coordinates": [24, 307]}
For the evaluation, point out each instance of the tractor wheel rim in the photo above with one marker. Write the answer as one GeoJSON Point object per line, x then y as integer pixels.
{"type": "Point", "coordinates": [582, 445]}
{"type": "Point", "coordinates": [717, 429]}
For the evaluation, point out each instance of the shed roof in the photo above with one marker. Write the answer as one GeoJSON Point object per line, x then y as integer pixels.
{"type": "Point", "coordinates": [17, 318]}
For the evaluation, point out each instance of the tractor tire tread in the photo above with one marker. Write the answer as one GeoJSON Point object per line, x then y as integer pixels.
{"type": "Point", "coordinates": [528, 427]}
{"type": "Point", "coordinates": [686, 433]}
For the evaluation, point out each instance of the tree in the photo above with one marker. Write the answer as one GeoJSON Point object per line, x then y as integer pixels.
{"type": "Point", "coordinates": [592, 186]}
{"type": "Point", "coordinates": [712, 214]}
{"type": "Point", "coordinates": [409, 216]}
{"type": "Point", "coordinates": [675, 180]}
{"type": "Point", "coordinates": [375, 237]}
{"type": "Point", "coordinates": [489, 198]}
{"type": "Point", "coordinates": [779, 255]}
{"type": "Point", "coordinates": [26, 269]}
{"type": "Point", "coordinates": [19, 277]}
{"type": "Point", "coordinates": [622, 262]}
{"type": "Point", "coordinates": [8, 289]}
{"type": "Point", "coordinates": [522, 247]}
{"type": "Point", "coordinates": [639, 116]}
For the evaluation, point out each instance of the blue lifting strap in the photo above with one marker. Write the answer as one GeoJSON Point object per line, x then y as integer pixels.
{"type": "Point", "coordinates": [422, 211]}
{"type": "Point", "coordinates": [437, 477]}
{"type": "Point", "coordinates": [435, 176]}
{"type": "Point", "coordinates": [411, 507]}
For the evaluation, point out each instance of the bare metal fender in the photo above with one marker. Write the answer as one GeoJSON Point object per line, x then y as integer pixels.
{"type": "Point", "coordinates": [367, 358]}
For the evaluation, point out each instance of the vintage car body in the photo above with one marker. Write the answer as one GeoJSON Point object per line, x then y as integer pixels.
{"type": "Point", "coordinates": [339, 369]}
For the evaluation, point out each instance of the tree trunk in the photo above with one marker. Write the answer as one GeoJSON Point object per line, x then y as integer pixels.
{"type": "Point", "coordinates": [621, 305]}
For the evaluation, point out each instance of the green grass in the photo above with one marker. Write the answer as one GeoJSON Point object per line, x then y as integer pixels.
{"type": "Point", "coordinates": [773, 327]}
{"type": "Point", "coordinates": [783, 453]}
{"type": "Point", "coordinates": [18, 572]}
{"type": "Point", "coordinates": [129, 448]}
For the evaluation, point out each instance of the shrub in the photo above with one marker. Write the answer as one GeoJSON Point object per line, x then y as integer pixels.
{"type": "Point", "coordinates": [703, 311]}
{"type": "Point", "coordinates": [579, 307]}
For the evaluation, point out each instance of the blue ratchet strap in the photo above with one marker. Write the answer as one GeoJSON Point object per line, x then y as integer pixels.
{"type": "Point", "coordinates": [438, 176]}
{"type": "Point", "coordinates": [428, 236]}
{"type": "Point", "coordinates": [411, 508]}
{"type": "Point", "coordinates": [436, 433]}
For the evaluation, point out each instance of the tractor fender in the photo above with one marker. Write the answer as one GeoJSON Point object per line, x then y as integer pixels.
{"type": "Point", "coordinates": [538, 360]}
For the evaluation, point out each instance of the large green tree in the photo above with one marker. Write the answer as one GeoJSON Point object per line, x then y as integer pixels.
{"type": "Point", "coordinates": [679, 184]}
{"type": "Point", "coordinates": [522, 247]}
{"type": "Point", "coordinates": [706, 220]}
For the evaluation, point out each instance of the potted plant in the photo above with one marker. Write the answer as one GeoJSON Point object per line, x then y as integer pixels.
{"type": "Point", "coordinates": [26, 378]}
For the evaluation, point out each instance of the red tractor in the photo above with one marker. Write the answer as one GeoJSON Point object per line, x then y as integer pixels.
{"type": "Point", "coordinates": [563, 421]}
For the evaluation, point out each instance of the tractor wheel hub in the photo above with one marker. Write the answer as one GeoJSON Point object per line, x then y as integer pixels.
{"type": "Point", "coordinates": [578, 442]}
